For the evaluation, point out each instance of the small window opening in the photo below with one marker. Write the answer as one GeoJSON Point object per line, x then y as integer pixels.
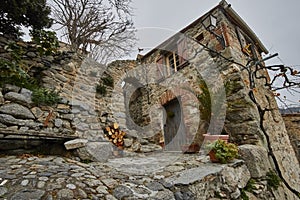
{"type": "Point", "coordinates": [200, 37]}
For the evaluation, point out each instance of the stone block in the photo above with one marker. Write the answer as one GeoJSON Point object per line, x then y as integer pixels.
{"type": "Point", "coordinates": [58, 123]}
{"type": "Point", "coordinates": [128, 142]}
{"type": "Point", "coordinates": [1, 98]}
{"type": "Point", "coordinates": [96, 151]}
{"type": "Point", "coordinates": [17, 111]}
{"type": "Point", "coordinates": [256, 159]}
{"type": "Point", "coordinates": [10, 120]}
{"type": "Point", "coordinates": [11, 88]}
{"type": "Point", "coordinates": [18, 98]}
{"type": "Point", "coordinates": [75, 144]}
{"type": "Point", "coordinates": [37, 112]}
{"type": "Point", "coordinates": [236, 175]}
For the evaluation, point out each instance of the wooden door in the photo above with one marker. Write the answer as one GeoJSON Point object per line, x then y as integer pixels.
{"type": "Point", "coordinates": [174, 128]}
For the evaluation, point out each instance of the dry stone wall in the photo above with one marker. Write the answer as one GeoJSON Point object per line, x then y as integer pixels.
{"type": "Point", "coordinates": [292, 124]}
{"type": "Point", "coordinates": [20, 116]}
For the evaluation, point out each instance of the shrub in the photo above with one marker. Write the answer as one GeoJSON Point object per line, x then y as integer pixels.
{"type": "Point", "coordinates": [45, 97]}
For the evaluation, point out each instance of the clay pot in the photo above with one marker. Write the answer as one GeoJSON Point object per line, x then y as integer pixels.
{"type": "Point", "coordinates": [212, 157]}
{"type": "Point", "coordinates": [211, 138]}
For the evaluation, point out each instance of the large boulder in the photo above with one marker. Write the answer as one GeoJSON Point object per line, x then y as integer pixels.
{"type": "Point", "coordinates": [17, 111]}
{"type": "Point", "coordinates": [96, 151]}
{"type": "Point", "coordinates": [256, 159]}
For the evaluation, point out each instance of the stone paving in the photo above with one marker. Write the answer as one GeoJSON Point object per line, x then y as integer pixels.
{"type": "Point", "coordinates": [53, 177]}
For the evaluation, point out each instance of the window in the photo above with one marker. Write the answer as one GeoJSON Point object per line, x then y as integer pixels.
{"type": "Point", "coordinates": [170, 62]}
{"type": "Point", "coordinates": [173, 61]}
{"type": "Point", "coordinates": [200, 37]}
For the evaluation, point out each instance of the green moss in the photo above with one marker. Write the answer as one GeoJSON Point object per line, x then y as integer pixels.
{"type": "Point", "coordinates": [47, 42]}
{"type": "Point", "coordinates": [273, 179]}
{"type": "Point", "coordinates": [250, 185]}
{"type": "Point", "coordinates": [244, 195]}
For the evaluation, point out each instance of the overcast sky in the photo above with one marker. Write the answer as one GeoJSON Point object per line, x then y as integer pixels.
{"type": "Point", "coordinates": [275, 22]}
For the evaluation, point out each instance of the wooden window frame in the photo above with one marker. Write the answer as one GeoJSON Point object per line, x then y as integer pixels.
{"type": "Point", "coordinates": [176, 62]}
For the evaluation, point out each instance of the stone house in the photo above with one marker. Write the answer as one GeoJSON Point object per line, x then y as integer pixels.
{"type": "Point", "coordinates": [207, 78]}
{"type": "Point", "coordinates": [209, 54]}
{"type": "Point", "coordinates": [161, 94]}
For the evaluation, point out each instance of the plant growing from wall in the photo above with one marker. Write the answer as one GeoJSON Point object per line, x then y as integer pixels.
{"type": "Point", "coordinates": [249, 188]}
{"type": "Point", "coordinates": [42, 96]}
{"type": "Point", "coordinates": [108, 81]}
{"type": "Point", "coordinates": [13, 70]}
{"type": "Point", "coordinates": [205, 102]}
{"type": "Point", "coordinates": [101, 89]}
{"type": "Point", "coordinates": [273, 179]}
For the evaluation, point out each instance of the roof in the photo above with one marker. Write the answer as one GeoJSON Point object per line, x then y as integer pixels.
{"type": "Point", "coordinates": [232, 16]}
{"type": "Point", "coordinates": [235, 18]}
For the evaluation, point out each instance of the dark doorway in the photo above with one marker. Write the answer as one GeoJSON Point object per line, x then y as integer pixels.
{"type": "Point", "coordinates": [174, 128]}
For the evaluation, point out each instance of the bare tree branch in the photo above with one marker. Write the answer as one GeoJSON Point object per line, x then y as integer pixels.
{"type": "Point", "coordinates": [103, 27]}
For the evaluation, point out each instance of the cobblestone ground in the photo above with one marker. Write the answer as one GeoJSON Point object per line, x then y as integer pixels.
{"type": "Point", "coordinates": [53, 177]}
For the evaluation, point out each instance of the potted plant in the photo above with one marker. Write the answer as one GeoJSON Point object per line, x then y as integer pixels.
{"type": "Point", "coordinates": [222, 151]}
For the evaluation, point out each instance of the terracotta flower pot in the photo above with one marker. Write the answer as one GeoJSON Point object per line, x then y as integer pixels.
{"type": "Point", "coordinates": [212, 157]}
{"type": "Point", "coordinates": [211, 138]}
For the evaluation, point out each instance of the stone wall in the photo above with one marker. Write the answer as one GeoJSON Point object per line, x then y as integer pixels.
{"type": "Point", "coordinates": [20, 117]}
{"type": "Point", "coordinates": [292, 124]}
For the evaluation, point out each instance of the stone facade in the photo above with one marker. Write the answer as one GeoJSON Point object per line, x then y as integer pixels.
{"type": "Point", "coordinates": [252, 115]}
{"type": "Point", "coordinates": [292, 124]}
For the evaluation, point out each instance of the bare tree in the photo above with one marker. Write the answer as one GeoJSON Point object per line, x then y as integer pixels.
{"type": "Point", "coordinates": [102, 27]}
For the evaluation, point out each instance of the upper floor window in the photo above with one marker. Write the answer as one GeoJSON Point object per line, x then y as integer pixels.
{"type": "Point", "coordinates": [173, 61]}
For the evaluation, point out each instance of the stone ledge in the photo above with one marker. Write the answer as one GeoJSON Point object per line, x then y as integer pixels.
{"type": "Point", "coordinates": [31, 134]}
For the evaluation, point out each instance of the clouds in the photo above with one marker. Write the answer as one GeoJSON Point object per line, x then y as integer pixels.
{"type": "Point", "coordinates": [274, 21]}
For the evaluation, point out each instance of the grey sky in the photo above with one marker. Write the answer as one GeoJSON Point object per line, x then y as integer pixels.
{"type": "Point", "coordinates": [275, 22]}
